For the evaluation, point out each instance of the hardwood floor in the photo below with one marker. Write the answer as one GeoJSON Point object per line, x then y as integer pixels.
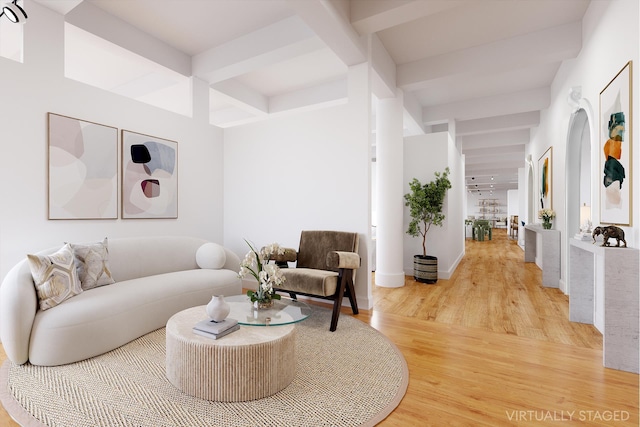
{"type": "Point", "coordinates": [492, 289]}
{"type": "Point", "coordinates": [491, 347]}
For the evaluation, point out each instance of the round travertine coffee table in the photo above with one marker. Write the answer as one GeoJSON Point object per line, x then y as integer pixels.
{"type": "Point", "coordinates": [251, 363]}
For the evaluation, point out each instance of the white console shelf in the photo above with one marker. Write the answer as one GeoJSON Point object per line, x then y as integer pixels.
{"type": "Point", "coordinates": [550, 253]}
{"type": "Point", "coordinates": [619, 268]}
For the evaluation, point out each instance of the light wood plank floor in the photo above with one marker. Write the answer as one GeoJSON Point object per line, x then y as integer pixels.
{"type": "Point", "coordinates": [491, 347]}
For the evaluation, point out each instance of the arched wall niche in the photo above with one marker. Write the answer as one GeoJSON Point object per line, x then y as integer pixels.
{"type": "Point", "coordinates": [530, 216]}
{"type": "Point", "coordinates": [577, 170]}
{"type": "Point", "coordinates": [581, 140]}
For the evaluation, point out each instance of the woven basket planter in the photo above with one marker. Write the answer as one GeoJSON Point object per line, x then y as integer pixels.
{"type": "Point", "coordinates": [425, 268]}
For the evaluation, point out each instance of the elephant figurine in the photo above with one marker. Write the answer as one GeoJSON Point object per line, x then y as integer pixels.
{"type": "Point", "coordinates": [610, 231]}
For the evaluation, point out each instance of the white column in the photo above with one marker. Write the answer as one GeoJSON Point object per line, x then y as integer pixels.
{"type": "Point", "coordinates": [390, 200]}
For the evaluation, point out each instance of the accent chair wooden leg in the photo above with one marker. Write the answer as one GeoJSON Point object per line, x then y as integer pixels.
{"type": "Point", "coordinates": [352, 295]}
{"type": "Point", "coordinates": [337, 303]}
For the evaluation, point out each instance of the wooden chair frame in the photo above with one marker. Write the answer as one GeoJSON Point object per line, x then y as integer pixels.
{"type": "Point", "coordinates": [345, 288]}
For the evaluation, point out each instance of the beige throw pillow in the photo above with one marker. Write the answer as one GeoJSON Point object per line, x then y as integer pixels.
{"type": "Point", "coordinates": [55, 277]}
{"type": "Point", "coordinates": [92, 262]}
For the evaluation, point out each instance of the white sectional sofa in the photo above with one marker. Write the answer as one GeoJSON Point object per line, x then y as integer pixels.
{"type": "Point", "coordinates": [155, 277]}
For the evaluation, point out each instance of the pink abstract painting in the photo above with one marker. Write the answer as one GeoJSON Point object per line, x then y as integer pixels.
{"type": "Point", "coordinates": [83, 169]}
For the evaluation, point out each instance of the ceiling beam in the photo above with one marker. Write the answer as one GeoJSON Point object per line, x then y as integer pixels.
{"type": "Point", "coordinates": [498, 123]}
{"type": "Point", "coordinates": [241, 96]}
{"type": "Point", "coordinates": [332, 27]}
{"type": "Point", "coordinates": [491, 169]}
{"type": "Point", "coordinates": [277, 42]}
{"type": "Point", "coordinates": [494, 139]}
{"type": "Point", "coordinates": [518, 102]}
{"type": "Point", "coordinates": [320, 96]}
{"type": "Point", "coordinates": [493, 156]}
{"type": "Point", "coordinates": [384, 69]}
{"type": "Point", "coordinates": [229, 117]}
{"type": "Point", "coordinates": [507, 185]}
{"type": "Point", "coordinates": [369, 17]}
{"type": "Point", "coordinates": [102, 24]}
{"type": "Point", "coordinates": [490, 152]}
{"type": "Point", "coordinates": [61, 6]}
{"type": "Point", "coordinates": [248, 105]}
{"type": "Point", "coordinates": [486, 181]}
{"type": "Point", "coordinates": [546, 46]}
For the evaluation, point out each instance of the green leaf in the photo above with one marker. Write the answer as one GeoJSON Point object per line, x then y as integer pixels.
{"type": "Point", "coordinates": [425, 202]}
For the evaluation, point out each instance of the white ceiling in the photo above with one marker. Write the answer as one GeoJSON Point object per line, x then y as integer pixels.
{"type": "Point", "coordinates": [487, 64]}
{"type": "Point", "coordinates": [193, 26]}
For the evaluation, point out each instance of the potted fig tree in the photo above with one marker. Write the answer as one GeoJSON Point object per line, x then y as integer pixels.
{"type": "Point", "coordinates": [425, 203]}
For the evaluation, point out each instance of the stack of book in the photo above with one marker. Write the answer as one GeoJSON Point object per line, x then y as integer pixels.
{"type": "Point", "coordinates": [214, 330]}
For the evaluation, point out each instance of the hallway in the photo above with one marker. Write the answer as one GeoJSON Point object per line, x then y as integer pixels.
{"type": "Point", "coordinates": [491, 347]}
{"type": "Point", "coordinates": [492, 289]}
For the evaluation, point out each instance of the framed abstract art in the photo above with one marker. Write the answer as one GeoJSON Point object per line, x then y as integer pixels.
{"type": "Point", "coordinates": [149, 176]}
{"type": "Point", "coordinates": [545, 176]}
{"type": "Point", "coordinates": [83, 169]}
{"type": "Point", "coordinates": [616, 149]}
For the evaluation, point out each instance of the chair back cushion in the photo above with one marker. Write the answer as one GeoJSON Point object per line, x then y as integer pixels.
{"type": "Point", "coordinates": [316, 244]}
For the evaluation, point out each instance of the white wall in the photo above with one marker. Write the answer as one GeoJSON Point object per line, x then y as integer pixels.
{"type": "Point", "coordinates": [30, 90]}
{"type": "Point", "coordinates": [456, 202]}
{"type": "Point", "coordinates": [309, 171]}
{"type": "Point", "coordinates": [522, 203]}
{"type": "Point", "coordinates": [424, 155]}
{"type": "Point", "coordinates": [610, 40]}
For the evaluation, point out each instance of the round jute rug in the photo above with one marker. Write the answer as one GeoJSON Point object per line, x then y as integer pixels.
{"type": "Point", "coordinates": [353, 376]}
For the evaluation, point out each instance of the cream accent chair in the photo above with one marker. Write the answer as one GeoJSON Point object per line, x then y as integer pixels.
{"type": "Point", "coordinates": [326, 264]}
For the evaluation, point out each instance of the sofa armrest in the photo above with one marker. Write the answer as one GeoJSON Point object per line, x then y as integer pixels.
{"type": "Point", "coordinates": [18, 307]}
{"type": "Point", "coordinates": [232, 261]}
{"type": "Point", "coordinates": [340, 259]}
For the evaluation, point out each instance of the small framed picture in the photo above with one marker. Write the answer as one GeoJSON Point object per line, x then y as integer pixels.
{"type": "Point", "coordinates": [149, 176]}
{"type": "Point", "coordinates": [545, 177]}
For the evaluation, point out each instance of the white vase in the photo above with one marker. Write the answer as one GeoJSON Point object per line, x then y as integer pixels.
{"type": "Point", "coordinates": [218, 309]}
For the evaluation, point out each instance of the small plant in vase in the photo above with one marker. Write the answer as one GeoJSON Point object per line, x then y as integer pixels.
{"type": "Point", "coordinates": [546, 215]}
{"type": "Point", "coordinates": [267, 274]}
